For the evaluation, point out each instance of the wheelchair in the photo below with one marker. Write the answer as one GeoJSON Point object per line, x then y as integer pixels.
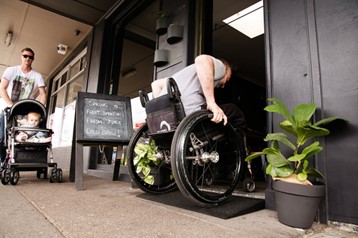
{"type": "Point", "coordinates": [202, 158]}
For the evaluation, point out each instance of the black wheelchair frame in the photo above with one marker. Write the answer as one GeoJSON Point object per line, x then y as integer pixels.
{"type": "Point", "coordinates": [202, 158]}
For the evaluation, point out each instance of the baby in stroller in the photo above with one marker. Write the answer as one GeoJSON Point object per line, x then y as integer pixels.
{"type": "Point", "coordinates": [31, 120]}
{"type": "Point", "coordinates": [28, 143]}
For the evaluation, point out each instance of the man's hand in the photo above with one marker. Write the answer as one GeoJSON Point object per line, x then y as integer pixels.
{"type": "Point", "coordinates": [219, 114]}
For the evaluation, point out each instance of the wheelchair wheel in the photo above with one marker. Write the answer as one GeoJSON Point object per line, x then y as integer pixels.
{"type": "Point", "coordinates": [160, 179]}
{"type": "Point", "coordinates": [206, 159]}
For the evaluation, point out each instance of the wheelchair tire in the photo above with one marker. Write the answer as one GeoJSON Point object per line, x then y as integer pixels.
{"type": "Point", "coordinates": [163, 179]}
{"type": "Point", "coordinates": [208, 183]}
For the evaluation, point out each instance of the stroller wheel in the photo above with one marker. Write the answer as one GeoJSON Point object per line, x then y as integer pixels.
{"type": "Point", "coordinates": [15, 177]}
{"type": "Point", "coordinates": [5, 178]}
{"type": "Point", "coordinates": [52, 176]}
{"type": "Point", "coordinates": [249, 185]}
{"type": "Point", "coordinates": [59, 175]}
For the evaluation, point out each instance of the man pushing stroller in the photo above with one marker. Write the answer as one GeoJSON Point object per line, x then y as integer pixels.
{"type": "Point", "coordinates": [19, 82]}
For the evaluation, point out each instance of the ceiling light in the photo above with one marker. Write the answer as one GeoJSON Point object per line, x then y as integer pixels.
{"type": "Point", "coordinates": [62, 49]}
{"type": "Point", "coordinates": [249, 21]}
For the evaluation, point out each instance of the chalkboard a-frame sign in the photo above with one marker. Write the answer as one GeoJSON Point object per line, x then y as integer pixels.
{"type": "Point", "coordinates": [103, 119]}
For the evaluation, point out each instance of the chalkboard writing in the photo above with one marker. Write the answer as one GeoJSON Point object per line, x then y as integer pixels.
{"type": "Point", "coordinates": [103, 118]}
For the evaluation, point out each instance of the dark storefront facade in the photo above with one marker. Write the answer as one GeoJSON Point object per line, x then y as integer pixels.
{"type": "Point", "coordinates": [308, 53]}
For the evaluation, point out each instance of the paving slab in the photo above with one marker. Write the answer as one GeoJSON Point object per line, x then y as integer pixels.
{"type": "Point", "coordinates": [105, 208]}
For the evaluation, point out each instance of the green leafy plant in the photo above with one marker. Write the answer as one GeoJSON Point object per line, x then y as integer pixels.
{"type": "Point", "coordinates": [161, 14]}
{"type": "Point", "coordinates": [145, 160]}
{"type": "Point", "coordinates": [295, 167]}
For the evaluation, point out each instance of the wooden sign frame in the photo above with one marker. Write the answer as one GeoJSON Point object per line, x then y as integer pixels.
{"type": "Point", "coordinates": [98, 119]}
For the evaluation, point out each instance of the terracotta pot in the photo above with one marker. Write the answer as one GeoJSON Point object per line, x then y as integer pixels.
{"type": "Point", "coordinates": [297, 204]}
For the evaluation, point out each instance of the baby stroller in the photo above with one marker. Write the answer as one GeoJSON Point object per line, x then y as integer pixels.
{"type": "Point", "coordinates": [30, 154]}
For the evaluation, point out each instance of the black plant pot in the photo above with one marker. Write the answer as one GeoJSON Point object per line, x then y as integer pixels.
{"type": "Point", "coordinates": [175, 33]}
{"type": "Point", "coordinates": [162, 25]}
{"type": "Point", "coordinates": [161, 57]}
{"type": "Point", "coordinates": [297, 204]}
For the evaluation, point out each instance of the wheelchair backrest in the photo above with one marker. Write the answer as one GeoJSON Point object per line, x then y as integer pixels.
{"type": "Point", "coordinates": [164, 113]}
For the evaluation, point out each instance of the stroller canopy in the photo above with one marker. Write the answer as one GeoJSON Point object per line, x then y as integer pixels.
{"type": "Point", "coordinates": [23, 107]}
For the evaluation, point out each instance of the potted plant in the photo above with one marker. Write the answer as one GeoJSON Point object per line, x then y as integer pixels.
{"type": "Point", "coordinates": [291, 170]}
{"type": "Point", "coordinates": [147, 163]}
{"type": "Point", "coordinates": [162, 22]}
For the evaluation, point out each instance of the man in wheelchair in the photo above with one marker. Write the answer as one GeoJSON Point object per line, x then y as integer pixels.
{"type": "Point", "coordinates": [200, 152]}
{"type": "Point", "coordinates": [196, 84]}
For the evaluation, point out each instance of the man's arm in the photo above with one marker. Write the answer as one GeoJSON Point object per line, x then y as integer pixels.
{"type": "Point", "coordinates": [43, 95]}
{"type": "Point", "coordinates": [205, 70]}
{"type": "Point", "coordinates": [3, 86]}
{"type": "Point", "coordinates": [157, 86]}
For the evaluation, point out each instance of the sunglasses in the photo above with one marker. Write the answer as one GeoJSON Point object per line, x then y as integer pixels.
{"type": "Point", "coordinates": [28, 56]}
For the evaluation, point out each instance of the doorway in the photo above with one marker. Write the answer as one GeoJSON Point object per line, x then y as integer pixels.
{"type": "Point", "coordinates": [247, 87]}
{"type": "Point", "coordinates": [245, 51]}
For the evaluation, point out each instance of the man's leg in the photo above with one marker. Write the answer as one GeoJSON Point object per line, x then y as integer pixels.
{"type": "Point", "coordinates": [234, 115]}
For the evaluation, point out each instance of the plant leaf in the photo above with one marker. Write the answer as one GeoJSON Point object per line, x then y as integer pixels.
{"type": "Point", "coordinates": [136, 160]}
{"type": "Point", "coordinates": [278, 172]}
{"type": "Point", "coordinates": [279, 108]}
{"type": "Point", "coordinates": [302, 176]}
{"type": "Point", "coordinates": [138, 169]}
{"type": "Point", "coordinates": [314, 173]}
{"type": "Point", "coordinates": [297, 157]}
{"type": "Point", "coordinates": [149, 179]}
{"type": "Point", "coordinates": [309, 132]}
{"type": "Point", "coordinates": [281, 137]}
{"type": "Point", "coordinates": [145, 170]}
{"type": "Point", "coordinates": [325, 121]}
{"type": "Point", "coordinates": [253, 156]}
{"type": "Point", "coordinates": [304, 112]}
{"type": "Point", "coordinates": [277, 160]}
{"type": "Point", "coordinates": [287, 126]}
{"type": "Point", "coordinates": [312, 149]}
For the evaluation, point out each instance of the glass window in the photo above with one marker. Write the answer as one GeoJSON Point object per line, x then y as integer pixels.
{"type": "Point", "coordinates": [75, 68]}
{"type": "Point", "coordinates": [63, 78]}
{"type": "Point", "coordinates": [74, 87]}
{"type": "Point", "coordinates": [63, 101]}
{"type": "Point", "coordinates": [55, 120]}
{"type": "Point", "coordinates": [83, 63]}
{"type": "Point", "coordinates": [56, 85]}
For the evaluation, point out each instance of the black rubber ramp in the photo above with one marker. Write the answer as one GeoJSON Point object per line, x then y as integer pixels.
{"type": "Point", "coordinates": [233, 207]}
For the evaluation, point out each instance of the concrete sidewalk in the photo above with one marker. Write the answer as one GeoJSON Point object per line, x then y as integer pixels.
{"type": "Point", "coordinates": [37, 208]}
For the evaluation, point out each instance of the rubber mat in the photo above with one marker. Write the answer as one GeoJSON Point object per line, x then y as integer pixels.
{"type": "Point", "coordinates": [233, 207]}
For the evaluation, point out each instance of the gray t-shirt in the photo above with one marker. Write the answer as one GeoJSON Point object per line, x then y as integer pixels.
{"type": "Point", "coordinates": [192, 95]}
